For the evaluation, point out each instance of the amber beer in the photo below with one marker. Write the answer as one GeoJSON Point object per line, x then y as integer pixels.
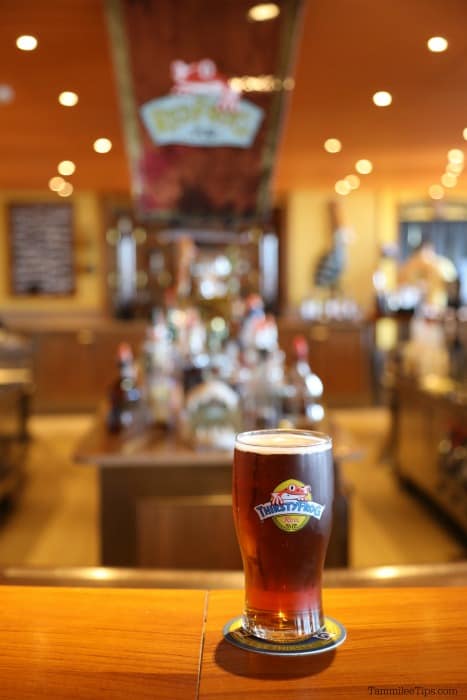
{"type": "Point", "coordinates": [283, 489]}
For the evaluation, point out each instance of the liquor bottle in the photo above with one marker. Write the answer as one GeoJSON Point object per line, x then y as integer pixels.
{"type": "Point", "coordinates": [161, 385]}
{"type": "Point", "coordinates": [192, 347]}
{"type": "Point", "coordinates": [124, 395]}
{"type": "Point", "coordinates": [457, 356]}
{"type": "Point", "coordinates": [261, 393]}
{"type": "Point", "coordinates": [303, 388]}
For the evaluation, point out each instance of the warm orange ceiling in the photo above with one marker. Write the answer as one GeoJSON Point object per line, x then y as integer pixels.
{"type": "Point", "coordinates": [35, 131]}
{"type": "Point", "coordinates": [348, 50]}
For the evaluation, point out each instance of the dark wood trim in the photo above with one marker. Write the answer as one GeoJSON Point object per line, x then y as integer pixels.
{"type": "Point", "coordinates": [279, 219]}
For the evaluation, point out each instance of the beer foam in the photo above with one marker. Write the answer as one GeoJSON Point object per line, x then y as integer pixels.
{"type": "Point", "coordinates": [282, 442]}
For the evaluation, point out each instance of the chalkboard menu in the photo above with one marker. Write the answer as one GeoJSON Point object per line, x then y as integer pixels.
{"type": "Point", "coordinates": [41, 238]}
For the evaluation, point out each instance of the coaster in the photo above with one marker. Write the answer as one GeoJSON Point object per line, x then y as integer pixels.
{"type": "Point", "coordinates": [330, 637]}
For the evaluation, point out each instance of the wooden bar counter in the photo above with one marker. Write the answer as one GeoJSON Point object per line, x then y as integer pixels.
{"type": "Point", "coordinates": [159, 499]}
{"type": "Point", "coordinates": [430, 428]}
{"type": "Point", "coordinates": [68, 643]}
{"type": "Point", "coordinates": [151, 483]}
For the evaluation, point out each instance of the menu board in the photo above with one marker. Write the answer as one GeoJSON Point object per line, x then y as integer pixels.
{"type": "Point", "coordinates": [41, 244]}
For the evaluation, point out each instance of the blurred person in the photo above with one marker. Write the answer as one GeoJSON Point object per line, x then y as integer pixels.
{"type": "Point", "coordinates": [430, 273]}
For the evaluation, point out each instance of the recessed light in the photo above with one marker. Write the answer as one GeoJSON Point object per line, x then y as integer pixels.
{"type": "Point", "coordinates": [455, 168]}
{"type": "Point", "coordinates": [437, 44]}
{"type": "Point", "coordinates": [7, 94]}
{"type": "Point", "coordinates": [342, 187]}
{"type": "Point", "coordinates": [65, 190]}
{"type": "Point", "coordinates": [102, 145]}
{"type": "Point", "coordinates": [464, 134]}
{"type": "Point", "coordinates": [263, 11]}
{"type": "Point", "coordinates": [382, 98]}
{"type": "Point", "coordinates": [436, 192]}
{"type": "Point", "coordinates": [332, 145]}
{"type": "Point", "coordinates": [455, 155]}
{"type": "Point", "coordinates": [66, 167]}
{"type": "Point", "coordinates": [56, 183]}
{"type": "Point", "coordinates": [364, 166]}
{"type": "Point", "coordinates": [26, 42]}
{"type": "Point", "coordinates": [353, 181]}
{"type": "Point", "coordinates": [449, 179]}
{"type": "Point", "coordinates": [68, 98]}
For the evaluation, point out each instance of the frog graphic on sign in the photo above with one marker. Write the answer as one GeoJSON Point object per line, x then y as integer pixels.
{"type": "Point", "coordinates": [290, 506]}
{"type": "Point", "coordinates": [203, 78]}
{"type": "Point", "coordinates": [202, 109]}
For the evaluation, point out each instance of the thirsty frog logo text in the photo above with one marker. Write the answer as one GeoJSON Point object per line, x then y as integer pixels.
{"type": "Point", "coordinates": [290, 506]}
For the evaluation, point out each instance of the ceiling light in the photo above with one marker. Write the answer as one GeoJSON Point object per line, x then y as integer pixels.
{"type": "Point", "coordinates": [449, 179]}
{"type": "Point", "coordinates": [68, 98]}
{"type": "Point", "coordinates": [364, 166]}
{"type": "Point", "coordinates": [464, 134]}
{"type": "Point", "coordinates": [66, 167]}
{"type": "Point", "coordinates": [288, 83]}
{"type": "Point", "coordinates": [353, 181]}
{"type": "Point", "coordinates": [26, 42]}
{"type": "Point", "coordinates": [382, 98]}
{"type": "Point", "coordinates": [332, 145]}
{"type": "Point", "coordinates": [256, 83]}
{"type": "Point", "coordinates": [6, 94]}
{"type": "Point", "coordinates": [263, 11]}
{"type": "Point", "coordinates": [66, 190]}
{"type": "Point", "coordinates": [455, 168]}
{"type": "Point", "coordinates": [56, 183]}
{"type": "Point", "coordinates": [436, 192]}
{"type": "Point", "coordinates": [102, 145]}
{"type": "Point", "coordinates": [342, 187]}
{"type": "Point", "coordinates": [437, 44]}
{"type": "Point", "coordinates": [455, 155]}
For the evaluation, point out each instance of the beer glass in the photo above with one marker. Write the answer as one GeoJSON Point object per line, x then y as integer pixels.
{"type": "Point", "coordinates": [283, 488]}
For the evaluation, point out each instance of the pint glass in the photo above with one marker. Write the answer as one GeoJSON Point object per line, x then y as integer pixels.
{"type": "Point", "coordinates": [283, 487]}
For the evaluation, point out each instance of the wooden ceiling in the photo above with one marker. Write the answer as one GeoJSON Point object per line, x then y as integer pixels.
{"type": "Point", "coordinates": [352, 48]}
{"type": "Point", "coordinates": [348, 50]}
{"type": "Point", "coordinates": [36, 132]}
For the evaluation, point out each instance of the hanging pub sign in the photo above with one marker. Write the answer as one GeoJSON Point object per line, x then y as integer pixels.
{"type": "Point", "coordinates": [203, 110]}
{"type": "Point", "coordinates": [203, 91]}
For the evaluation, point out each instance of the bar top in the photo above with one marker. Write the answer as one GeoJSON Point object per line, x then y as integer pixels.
{"type": "Point", "coordinates": [146, 447]}
{"type": "Point", "coordinates": [126, 643]}
{"type": "Point", "coordinates": [142, 448]}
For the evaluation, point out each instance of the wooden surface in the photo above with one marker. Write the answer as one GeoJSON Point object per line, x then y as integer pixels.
{"type": "Point", "coordinates": [151, 448]}
{"type": "Point", "coordinates": [15, 390]}
{"type": "Point", "coordinates": [143, 448]}
{"type": "Point", "coordinates": [332, 38]}
{"type": "Point", "coordinates": [122, 491]}
{"type": "Point", "coordinates": [76, 643]}
{"type": "Point", "coordinates": [91, 353]}
{"type": "Point", "coordinates": [408, 637]}
{"type": "Point", "coordinates": [425, 423]}
{"type": "Point", "coordinates": [340, 353]}
{"type": "Point", "coordinates": [109, 643]}
{"type": "Point", "coordinates": [209, 183]}
{"type": "Point", "coordinates": [150, 483]}
{"type": "Point", "coordinates": [138, 467]}
{"type": "Point", "coordinates": [184, 528]}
